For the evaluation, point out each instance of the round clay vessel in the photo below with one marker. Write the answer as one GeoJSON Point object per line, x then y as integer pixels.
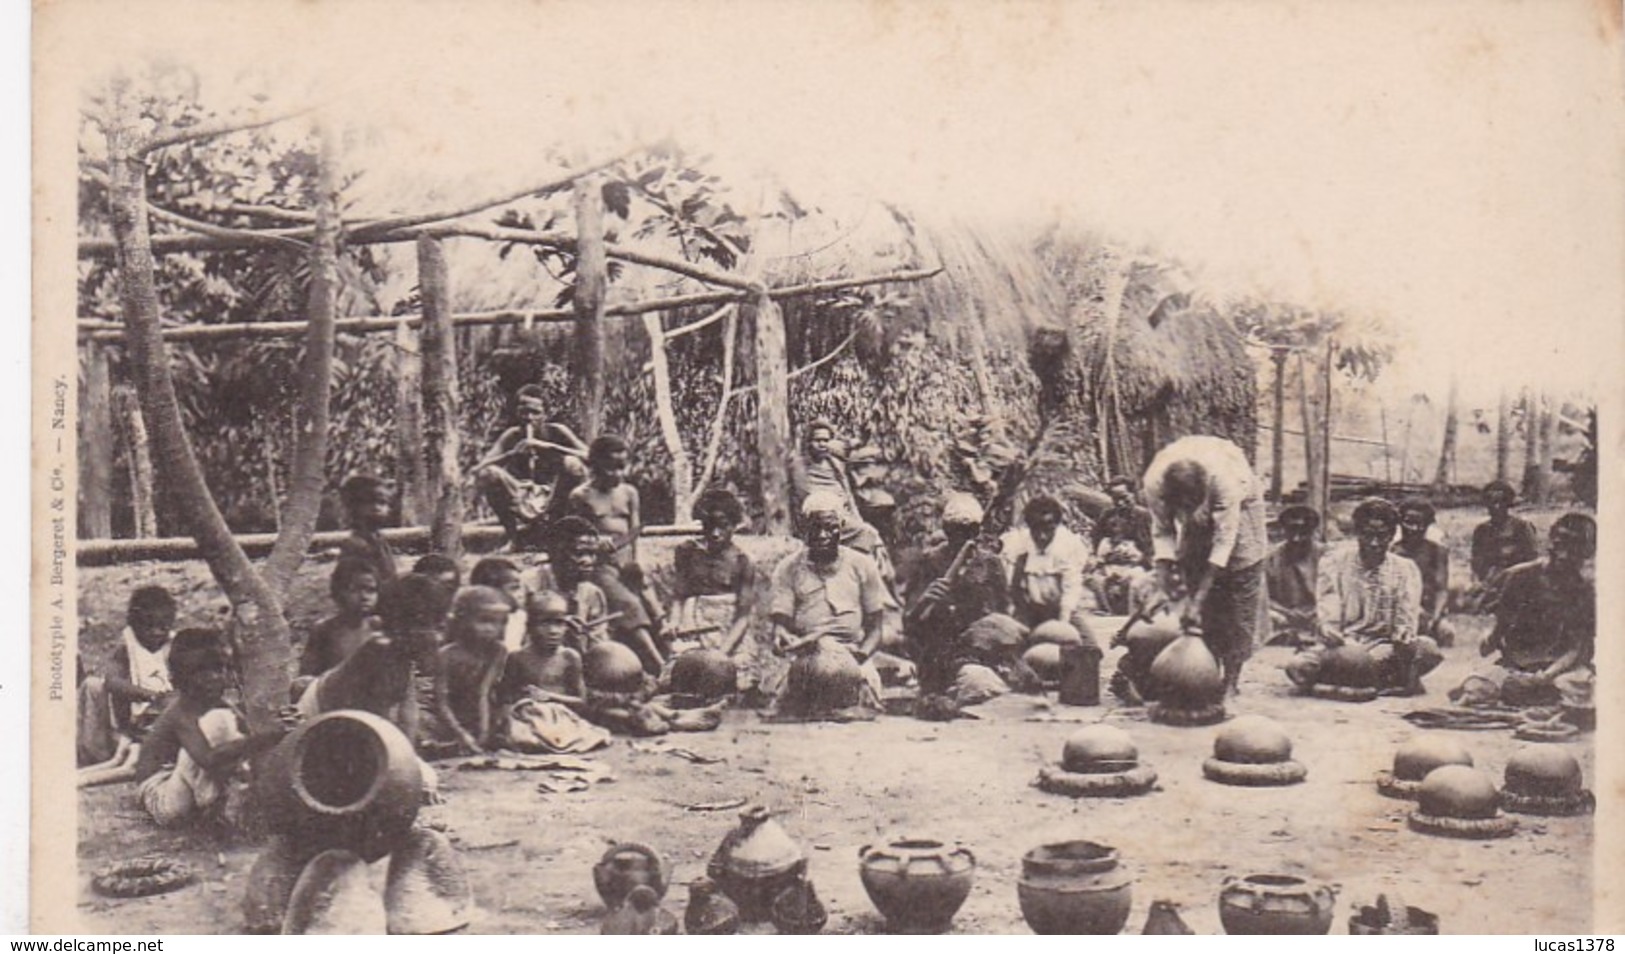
{"type": "Point", "coordinates": [427, 889]}
{"type": "Point", "coordinates": [1543, 770]}
{"type": "Point", "coordinates": [1093, 745]}
{"type": "Point", "coordinates": [1275, 904]}
{"type": "Point", "coordinates": [917, 883]}
{"type": "Point", "coordinates": [755, 862]}
{"type": "Point", "coordinates": [709, 911]}
{"type": "Point", "coordinates": [825, 678]}
{"type": "Point", "coordinates": [994, 636]}
{"type": "Point", "coordinates": [346, 779]}
{"type": "Point", "coordinates": [270, 883]}
{"type": "Point", "coordinates": [797, 910]}
{"type": "Point", "coordinates": [1074, 887]}
{"type": "Point", "coordinates": [1349, 665]}
{"type": "Point", "coordinates": [625, 866]}
{"type": "Point", "coordinates": [1456, 791]}
{"type": "Point", "coordinates": [1058, 632]}
{"type": "Point", "coordinates": [611, 667]}
{"type": "Point", "coordinates": [1252, 740]}
{"type": "Point", "coordinates": [335, 896]}
{"type": "Point", "coordinates": [1416, 758]}
{"type": "Point", "coordinates": [1045, 660]}
{"type": "Point", "coordinates": [707, 673]}
{"type": "Point", "coordinates": [1185, 674]}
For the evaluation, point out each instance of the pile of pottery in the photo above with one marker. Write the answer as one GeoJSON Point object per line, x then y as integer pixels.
{"type": "Point", "coordinates": [763, 872]}
{"type": "Point", "coordinates": [1253, 750]}
{"type": "Point", "coordinates": [1460, 802]}
{"type": "Point", "coordinates": [918, 884]}
{"type": "Point", "coordinates": [1415, 759]}
{"type": "Point", "coordinates": [1276, 904]}
{"type": "Point", "coordinates": [339, 792]}
{"type": "Point", "coordinates": [1542, 780]}
{"type": "Point", "coordinates": [1098, 761]}
{"type": "Point", "coordinates": [1348, 673]}
{"type": "Point", "coordinates": [1074, 887]}
{"type": "Point", "coordinates": [632, 879]}
{"type": "Point", "coordinates": [1187, 684]}
{"type": "Point", "coordinates": [1392, 918]}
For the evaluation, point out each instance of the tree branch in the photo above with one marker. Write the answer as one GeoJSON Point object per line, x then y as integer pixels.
{"type": "Point", "coordinates": [714, 316]}
{"type": "Point", "coordinates": [174, 137]}
{"type": "Point", "coordinates": [224, 232]}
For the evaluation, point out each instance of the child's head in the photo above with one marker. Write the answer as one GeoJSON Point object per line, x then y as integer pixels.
{"type": "Point", "coordinates": [440, 568]}
{"type": "Point", "coordinates": [500, 575]}
{"type": "Point", "coordinates": [151, 616]}
{"type": "Point", "coordinates": [547, 620]}
{"type": "Point", "coordinates": [413, 609]}
{"type": "Point", "coordinates": [575, 548]}
{"type": "Point", "coordinates": [366, 500]}
{"type": "Point", "coordinates": [719, 514]}
{"type": "Point", "coordinates": [199, 664]}
{"type": "Point", "coordinates": [479, 615]}
{"type": "Point", "coordinates": [606, 458]}
{"type": "Point", "coordinates": [354, 587]}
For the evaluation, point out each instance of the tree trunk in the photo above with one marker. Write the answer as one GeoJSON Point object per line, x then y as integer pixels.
{"type": "Point", "coordinates": [1548, 433]}
{"type": "Point", "coordinates": [591, 278]}
{"type": "Point", "coordinates": [1311, 441]}
{"type": "Point", "coordinates": [1447, 449]}
{"type": "Point", "coordinates": [417, 507]}
{"type": "Point", "coordinates": [1503, 436]}
{"type": "Point", "coordinates": [96, 447]}
{"type": "Point", "coordinates": [1277, 433]}
{"type": "Point", "coordinates": [772, 416]}
{"type": "Point", "coordinates": [1326, 435]}
{"type": "Point", "coordinates": [260, 630]}
{"type": "Point", "coordinates": [440, 401]}
{"type": "Point", "coordinates": [1531, 446]}
{"type": "Point", "coordinates": [682, 477]}
{"type": "Point", "coordinates": [138, 458]}
{"type": "Point", "coordinates": [713, 444]}
{"type": "Point", "coordinates": [307, 480]}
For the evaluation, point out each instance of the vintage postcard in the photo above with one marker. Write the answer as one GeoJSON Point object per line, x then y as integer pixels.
{"type": "Point", "coordinates": [827, 467]}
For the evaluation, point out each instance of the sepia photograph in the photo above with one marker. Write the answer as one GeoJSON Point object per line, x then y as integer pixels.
{"type": "Point", "coordinates": [838, 468]}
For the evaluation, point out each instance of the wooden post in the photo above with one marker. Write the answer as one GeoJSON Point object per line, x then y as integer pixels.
{"type": "Point", "coordinates": [592, 275]}
{"type": "Point", "coordinates": [96, 447]}
{"type": "Point", "coordinates": [1311, 439]}
{"type": "Point", "coordinates": [1387, 455]}
{"type": "Point", "coordinates": [417, 506]}
{"type": "Point", "coordinates": [138, 457]}
{"type": "Point", "coordinates": [1543, 464]}
{"type": "Point", "coordinates": [1326, 437]}
{"type": "Point", "coordinates": [682, 475]}
{"type": "Point", "coordinates": [1277, 435]}
{"type": "Point", "coordinates": [1447, 449]}
{"type": "Point", "coordinates": [1503, 436]}
{"type": "Point", "coordinates": [772, 416]}
{"type": "Point", "coordinates": [440, 402]}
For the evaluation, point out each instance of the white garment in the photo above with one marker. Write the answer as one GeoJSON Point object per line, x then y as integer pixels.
{"type": "Point", "coordinates": [149, 669]}
{"type": "Point", "coordinates": [514, 636]}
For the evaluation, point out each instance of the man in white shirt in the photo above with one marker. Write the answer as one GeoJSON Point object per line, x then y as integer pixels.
{"type": "Point", "coordinates": [1047, 563]}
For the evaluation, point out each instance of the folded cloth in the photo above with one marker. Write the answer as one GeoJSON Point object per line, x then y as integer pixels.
{"type": "Point", "coordinates": [551, 728]}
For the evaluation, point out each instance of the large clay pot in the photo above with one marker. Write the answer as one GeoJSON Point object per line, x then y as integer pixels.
{"type": "Point", "coordinates": [824, 678]}
{"type": "Point", "coordinates": [994, 636]}
{"type": "Point", "coordinates": [1456, 791]}
{"type": "Point", "coordinates": [755, 862]}
{"type": "Point", "coordinates": [797, 910]}
{"type": "Point", "coordinates": [1058, 632]}
{"type": "Point", "coordinates": [1074, 887]}
{"type": "Point", "coordinates": [271, 882]}
{"type": "Point", "coordinates": [1415, 759]}
{"type": "Point", "coordinates": [427, 889]}
{"type": "Point", "coordinates": [1044, 659]}
{"type": "Point", "coordinates": [611, 667]}
{"type": "Point", "coordinates": [707, 673]}
{"type": "Point", "coordinates": [1276, 904]}
{"type": "Point", "coordinates": [1099, 748]}
{"type": "Point", "coordinates": [1252, 740]}
{"type": "Point", "coordinates": [346, 779]}
{"type": "Point", "coordinates": [1543, 770]}
{"type": "Point", "coordinates": [335, 896]}
{"type": "Point", "coordinates": [624, 867]}
{"type": "Point", "coordinates": [1349, 665]}
{"type": "Point", "coordinates": [709, 911]}
{"type": "Point", "coordinates": [1185, 674]}
{"type": "Point", "coordinates": [917, 883]}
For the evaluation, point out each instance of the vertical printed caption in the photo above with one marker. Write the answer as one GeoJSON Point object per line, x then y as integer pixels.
{"type": "Point", "coordinates": [56, 581]}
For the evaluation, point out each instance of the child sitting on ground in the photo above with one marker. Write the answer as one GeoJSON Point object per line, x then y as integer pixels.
{"type": "Point", "coordinates": [571, 561]}
{"type": "Point", "coordinates": [354, 587]}
{"type": "Point", "coordinates": [542, 689]}
{"type": "Point", "coordinates": [117, 708]}
{"type": "Point", "coordinates": [366, 502]}
{"type": "Point", "coordinates": [194, 749]}
{"type": "Point", "coordinates": [471, 662]}
{"type": "Point", "coordinates": [611, 506]}
{"type": "Point", "coordinates": [440, 568]}
{"type": "Point", "coordinates": [502, 575]}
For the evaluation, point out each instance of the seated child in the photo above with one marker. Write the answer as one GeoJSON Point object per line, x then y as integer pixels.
{"type": "Point", "coordinates": [611, 506]}
{"type": "Point", "coordinates": [545, 668]}
{"type": "Point", "coordinates": [571, 562]}
{"type": "Point", "coordinates": [116, 709]}
{"type": "Point", "coordinates": [714, 577]}
{"type": "Point", "coordinates": [471, 662]}
{"type": "Point", "coordinates": [367, 503]}
{"type": "Point", "coordinates": [440, 568]}
{"type": "Point", "coordinates": [502, 575]}
{"type": "Point", "coordinates": [354, 587]}
{"type": "Point", "coordinates": [195, 748]}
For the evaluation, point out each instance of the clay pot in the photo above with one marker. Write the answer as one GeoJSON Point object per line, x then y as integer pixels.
{"type": "Point", "coordinates": [1415, 759]}
{"type": "Point", "coordinates": [824, 679]}
{"type": "Point", "coordinates": [1057, 632]}
{"type": "Point", "coordinates": [797, 910]}
{"type": "Point", "coordinates": [709, 911]}
{"type": "Point", "coordinates": [1044, 659]}
{"type": "Point", "coordinates": [1379, 919]}
{"type": "Point", "coordinates": [1349, 665]}
{"type": "Point", "coordinates": [755, 862]}
{"type": "Point", "coordinates": [1456, 791]}
{"type": "Point", "coordinates": [1164, 919]}
{"type": "Point", "coordinates": [994, 636]}
{"type": "Point", "coordinates": [611, 667]}
{"type": "Point", "coordinates": [625, 866]}
{"type": "Point", "coordinates": [1276, 904]}
{"type": "Point", "coordinates": [1543, 770]}
{"type": "Point", "coordinates": [334, 896]}
{"type": "Point", "coordinates": [427, 890]}
{"type": "Point", "coordinates": [641, 913]}
{"type": "Point", "coordinates": [1186, 675]}
{"type": "Point", "coordinates": [1252, 740]}
{"type": "Point", "coordinates": [707, 673]}
{"type": "Point", "coordinates": [917, 883]}
{"type": "Point", "coordinates": [271, 882]}
{"type": "Point", "coordinates": [1090, 747]}
{"type": "Point", "coordinates": [347, 779]}
{"type": "Point", "coordinates": [1074, 887]}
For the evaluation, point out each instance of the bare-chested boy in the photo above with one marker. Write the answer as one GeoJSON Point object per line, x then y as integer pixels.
{"type": "Point", "coordinates": [471, 662]}
{"type": "Point", "coordinates": [611, 505]}
{"type": "Point", "coordinates": [354, 587]}
{"type": "Point", "coordinates": [545, 669]}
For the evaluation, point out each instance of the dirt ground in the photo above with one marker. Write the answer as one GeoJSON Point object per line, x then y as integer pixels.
{"type": "Point", "coordinates": [530, 854]}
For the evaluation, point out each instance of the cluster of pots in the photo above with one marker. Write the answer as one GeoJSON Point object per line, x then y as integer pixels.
{"type": "Point", "coordinates": [1454, 797]}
